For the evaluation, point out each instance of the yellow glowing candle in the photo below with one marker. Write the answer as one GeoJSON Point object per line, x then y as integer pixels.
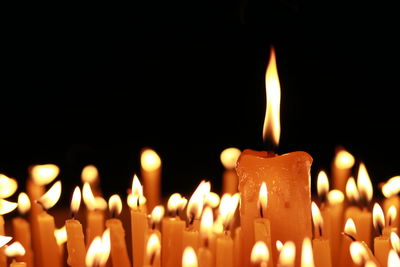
{"type": "Point", "coordinates": [204, 253]}
{"type": "Point", "coordinates": [321, 245]}
{"type": "Point", "coordinates": [228, 159]}
{"type": "Point", "coordinates": [322, 191]}
{"type": "Point", "coordinates": [287, 255]}
{"type": "Point", "coordinates": [237, 246]}
{"type": "Point", "coordinates": [349, 235]}
{"type": "Point", "coordinates": [151, 175]}
{"type": "Point", "coordinates": [61, 239]}
{"type": "Point", "coordinates": [13, 251]}
{"type": "Point", "coordinates": [99, 250]}
{"type": "Point", "coordinates": [382, 244]}
{"type": "Point", "coordinates": [260, 254]}
{"type": "Point", "coordinates": [94, 215]}
{"type": "Point", "coordinates": [90, 175]}
{"type": "Point", "coordinates": [189, 257]}
{"type": "Point", "coordinates": [341, 168]}
{"type": "Point", "coordinates": [307, 259]}
{"type": "Point", "coordinates": [391, 190]}
{"type": "Point", "coordinates": [153, 251]}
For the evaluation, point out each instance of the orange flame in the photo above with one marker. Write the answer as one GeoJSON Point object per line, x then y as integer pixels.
{"type": "Point", "coordinates": [24, 204]}
{"type": "Point", "coordinates": [44, 174]}
{"type": "Point", "coordinates": [229, 157]}
{"type": "Point", "coordinates": [395, 241]}
{"type": "Point", "coordinates": [206, 224]}
{"type": "Point", "coordinates": [8, 186]}
{"type": "Point", "coordinates": [343, 159]}
{"type": "Point", "coordinates": [176, 203]}
{"type": "Point", "coordinates": [322, 184]}
{"type": "Point", "coordinates": [99, 250]}
{"type": "Point", "coordinates": [4, 240]}
{"type": "Point", "coordinates": [157, 214]}
{"type": "Point", "coordinates": [350, 228]}
{"type": "Point", "coordinates": [189, 258]}
{"type": "Point", "coordinates": [393, 259]}
{"type": "Point", "coordinates": [352, 193]}
{"type": "Point", "coordinates": [61, 235]}
{"type": "Point", "coordinates": [196, 201]}
{"type": "Point", "coordinates": [149, 159]}
{"type": "Point", "coordinates": [287, 254]}
{"type": "Point", "coordinates": [115, 205]}
{"type": "Point", "coordinates": [259, 254]}
{"type": "Point", "coordinates": [153, 248]}
{"type": "Point", "coordinates": [358, 252]}
{"type": "Point", "coordinates": [307, 258]}
{"type": "Point", "coordinates": [378, 218]}
{"type": "Point", "coordinates": [7, 206]}
{"type": "Point", "coordinates": [14, 250]}
{"type": "Point", "coordinates": [364, 185]}
{"type": "Point", "coordinates": [76, 200]}
{"type": "Point", "coordinates": [50, 198]}
{"type": "Point", "coordinates": [263, 199]}
{"type": "Point", "coordinates": [317, 218]}
{"type": "Point", "coordinates": [89, 174]}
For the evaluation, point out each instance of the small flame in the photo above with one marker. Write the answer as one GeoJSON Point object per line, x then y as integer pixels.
{"type": "Point", "coordinates": [136, 198]}
{"type": "Point", "coordinates": [307, 258]}
{"type": "Point", "coordinates": [153, 248]}
{"type": "Point", "coordinates": [88, 197]}
{"type": "Point", "coordinates": [393, 259]}
{"type": "Point", "coordinates": [44, 174]}
{"type": "Point", "coordinates": [100, 203]}
{"type": "Point", "coordinates": [350, 228]}
{"type": "Point", "coordinates": [229, 157]}
{"type": "Point", "coordinates": [212, 199]}
{"type": "Point", "coordinates": [4, 240]}
{"type": "Point", "coordinates": [335, 197]}
{"type": "Point", "coordinates": [7, 206]}
{"type": "Point", "coordinates": [322, 184]}
{"type": "Point", "coordinates": [364, 185]}
{"type": "Point", "coordinates": [115, 205]}
{"type": "Point", "coordinates": [343, 159]}
{"type": "Point", "coordinates": [352, 193]}
{"type": "Point", "coordinates": [89, 174]}
{"type": "Point", "coordinates": [259, 254]}
{"type": "Point", "coordinates": [61, 235]}
{"type": "Point", "coordinates": [157, 214]}
{"type": "Point", "coordinates": [358, 252]}
{"type": "Point", "coordinates": [263, 199]}
{"type": "Point", "coordinates": [378, 218]}
{"type": "Point", "coordinates": [206, 224]}
{"type": "Point", "coordinates": [272, 125]}
{"type": "Point", "coordinates": [15, 250]}
{"type": "Point", "coordinates": [50, 198]}
{"type": "Point", "coordinates": [133, 201]}
{"type": "Point", "coordinates": [317, 218]}
{"type": "Point", "coordinates": [8, 186]}
{"type": "Point", "coordinates": [24, 204]}
{"type": "Point", "coordinates": [99, 250]}
{"type": "Point", "coordinates": [176, 202]}
{"type": "Point", "coordinates": [370, 263]}
{"type": "Point", "coordinates": [395, 241]}
{"type": "Point", "coordinates": [150, 160]}
{"type": "Point", "coordinates": [76, 200]}
{"type": "Point", "coordinates": [287, 254]}
{"type": "Point", "coordinates": [391, 187]}
{"type": "Point", "coordinates": [279, 245]}
{"type": "Point", "coordinates": [227, 208]}
{"type": "Point", "coordinates": [189, 258]}
{"type": "Point", "coordinates": [196, 201]}
{"type": "Point", "coordinates": [391, 215]}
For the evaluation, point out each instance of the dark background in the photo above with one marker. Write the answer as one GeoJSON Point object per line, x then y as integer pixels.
{"type": "Point", "coordinates": [95, 84]}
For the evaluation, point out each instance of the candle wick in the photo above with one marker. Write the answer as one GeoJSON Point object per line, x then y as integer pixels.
{"type": "Point", "coordinates": [349, 236]}
{"type": "Point", "coordinates": [152, 258]}
{"type": "Point", "coordinates": [177, 213]}
{"type": "Point", "coordinates": [41, 204]}
{"type": "Point", "coordinates": [320, 230]}
{"type": "Point", "coordinates": [191, 219]}
{"type": "Point", "coordinates": [261, 212]}
{"type": "Point", "coordinates": [380, 229]}
{"type": "Point", "coordinates": [206, 243]}
{"type": "Point", "coordinates": [138, 202]}
{"type": "Point", "coordinates": [153, 225]}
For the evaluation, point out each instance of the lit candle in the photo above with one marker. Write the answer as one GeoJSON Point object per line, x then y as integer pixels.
{"type": "Point", "coordinates": [172, 228]}
{"type": "Point", "coordinates": [189, 258]}
{"type": "Point", "coordinates": [153, 251]}
{"type": "Point", "coordinates": [341, 168]}
{"type": "Point", "coordinates": [349, 235]}
{"type": "Point", "coordinates": [259, 254]}
{"type": "Point", "coordinates": [287, 255]}
{"type": "Point", "coordinates": [50, 254]}
{"type": "Point", "coordinates": [228, 159]}
{"type": "Point", "coordinates": [61, 239]}
{"type": "Point", "coordinates": [391, 190]}
{"type": "Point", "coordinates": [22, 230]}
{"type": "Point", "coordinates": [321, 245]}
{"type": "Point", "coordinates": [13, 251]}
{"type": "Point", "coordinates": [353, 198]}
{"type": "Point", "coordinates": [382, 244]}
{"type": "Point", "coordinates": [151, 175]}
{"type": "Point", "coordinates": [335, 206]}
{"type": "Point", "coordinates": [307, 259]}
{"type": "Point", "coordinates": [90, 175]}
{"type": "Point", "coordinates": [237, 247]}
{"type": "Point", "coordinates": [99, 250]}
{"type": "Point", "coordinates": [391, 217]}
{"type": "Point", "coordinates": [205, 256]}
{"type": "Point", "coordinates": [119, 252]}
{"type": "Point", "coordinates": [75, 238]}
{"type": "Point", "coordinates": [361, 254]}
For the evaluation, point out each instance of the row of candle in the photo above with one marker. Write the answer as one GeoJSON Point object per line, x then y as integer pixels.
{"type": "Point", "coordinates": [213, 242]}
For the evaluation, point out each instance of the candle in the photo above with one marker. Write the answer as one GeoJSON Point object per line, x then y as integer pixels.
{"type": "Point", "coordinates": [349, 235]}
{"type": "Point", "coordinates": [22, 230]}
{"type": "Point", "coordinates": [99, 250]}
{"type": "Point", "coordinates": [75, 238]}
{"type": "Point", "coordinates": [90, 175]}
{"type": "Point", "coordinates": [322, 191]}
{"type": "Point", "coordinates": [237, 246]}
{"type": "Point", "coordinates": [287, 255]}
{"type": "Point", "coordinates": [15, 250]}
{"type": "Point", "coordinates": [259, 254]}
{"type": "Point", "coordinates": [50, 254]}
{"type": "Point", "coordinates": [61, 239]}
{"type": "Point", "coordinates": [205, 256]}
{"type": "Point", "coordinates": [321, 245]}
{"type": "Point", "coordinates": [119, 253]}
{"type": "Point", "coordinates": [341, 168]}
{"type": "Point", "coordinates": [307, 259]}
{"type": "Point", "coordinates": [228, 159]}
{"type": "Point", "coordinates": [395, 241]}
{"type": "Point", "coordinates": [390, 190]}
{"type": "Point", "coordinates": [172, 228]}
{"type": "Point", "coordinates": [335, 207]}
{"type": "Point", "coordinates": [382, 243]}
{"type": "Point", "coordinates": [151, 175]}
{"type": "Point", "coordinates": [189, 258]}
{"type": "Point", "coordinates": [361, 254]}
{"type": "Point", "coordinates": [153, 251]}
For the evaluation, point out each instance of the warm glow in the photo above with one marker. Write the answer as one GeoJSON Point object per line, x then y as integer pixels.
{"type": "Point", "coordinates": [157, 214]}
{"type": "Point", "coordinates": [391, 187]}
{"type": "Point", "coordinates": [316, 218]}
{"type": "Point", "coordinates": [14, 250]}
{"type": "Point", "coordinates": [61, 235]}
{"type": "Point", "coordinates": [212, 200]}
{"type": "Point", "coordinates": [279, 245]}
{"type": "Point", "coordinates": [88, 196]}
{"type": "Point", "coordinates": [272, 125]}
{"type": "Point", "coordinates": [287, 254]}
{"type": "Point", "coordinates": [206, 223]}
{"type": "Point", "coordinates": [393, 259]}
{"type": "Point", "coordinates": [358, 252]}
{"type": "Point", "coordinates": [89, 174]}
{"type": "Point", "coordinates": [350, 228]}
{"type": "Point", "coordinates": [307, 258]}
{"type": "Point", "coordinates": [137, 188]}
{"type": "Point", "coordinates": [259, 254]}
{"type": "Point", "coordinates": [7, 206]}
{"type": "Point", "coordinates": [263, 199]}
{"type": "Point", "coordinates": [227, 208]}
{"type": "Point", "coordinates": [395, 241]}
{"type": "Point", "coordinates": [391, 215]}
{"type": "Point", "coordinates": [364, 184]}
{"type": "Point", "coordinates": [229, 157]}
{"type": "Point", "coordinates": [134, 202]}
{"type": "Point", "coordinates": [115, 205]}
{"type": "Point", "coordinates": [370, 263]}
{"type": "Point", "coordinates": [176, 203]}
{"type": "Point", "coordinates": [4, 240]}
{"type": "Point", "coordinates": [343, 159]}
{"type": "Point", "coordinates": [352, 193]}
{"type": "Point", "coordinates": [153, 247]}
{"type": "Point", "coordinates": [335, 197]}
{"type": "Point", "coordinates": [322, 184]}
{"type": "Point", "coordinates": [150, 160]}
{"type": "Point", "coordinates": [136, 198]}
{"type": "Point", "coordinates": [99, 250]}
{"type": "Point", "coordinates": [44, 174]}
{"type": "Point", "coordinates": [196, 201]}
{"type": "Point", "coordinates": [76, 200]}
{"type": "Point", "coordinates": [50, 198]}
{"type": "Point", "coordinates": [24, 204]}
{"type": "Point", "coordinates": [100, 203]}
{"type": "Point", "coordinates": [8, 186]}
{"type": "Point", "coordinates": [378, 218]}
{"type": "Point", "coordinates": [189, 258]}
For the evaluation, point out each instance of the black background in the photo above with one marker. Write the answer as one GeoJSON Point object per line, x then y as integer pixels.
{"type": "Point", "coordinates": [95, 84]}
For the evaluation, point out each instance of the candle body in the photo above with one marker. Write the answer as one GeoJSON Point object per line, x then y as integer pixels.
{"type": "Point", "coordinates": [152, 186]}
{"type": "Point", "coordinates": [322, 252]}
{"type": "Point", "coordinates": [94, 225]}
{"type": "Point", "coordinates": [119, 252]}
{"type": "Point", "coordinates": [262, 232]}
{"type": "Point", "coordinates": [289, 197]}
{"type": "Point", "coordinates": [238, 247]}
{"type": "Point", "coordinates": [171, 241]}
{"type": "Point", "coordinates": [48, 245]}
{"type": "Point", "coordinates": [147, 259]}
{"type": "Point", "coordinates": [205, 257]}
{"type": "Point", "coordinates": [345, 257]}
{"type": "Point", "coordinates": [3, 258]}
{"type": "Point", "coordinates": [75, 243]}
{"type": "Point", "coordinates": [335, 221]}
{"type": "Point", "coordinates": [22, 233]}
{"type": "Point", "coordinates": [190, 238]}
{"type": "Point", "coordinates": [363, 222]}
{"type": "Point", "coordinates": [229, 182]}
{"type": "Point", "coordinates": [139, 230]}
{"type": "Point", "coordinates": [224, 251]}
{"type": "Point", "coordinates": [382, 247]}
{"type": "Point", "coordinates": [340, 175]}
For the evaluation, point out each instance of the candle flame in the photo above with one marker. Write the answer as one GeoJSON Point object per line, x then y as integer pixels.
{"type": "Point", "coordinates": [279, 245]}
{"type": "Point", "coordinates": [4, 240]}
{"type": "Point", "coordinates": [88, 197]}
{"type": "Point", "coordinates": [153, 248]}
{"type": "Point", "coordinates": [307, 258]}
{"type": "Point", "coordinates": [176, 202]}
{"type": "Point", "coordinates": [335, 197]}
{"type": "Point", "coordinates": [189, 258]}
{"type": "Point", "coordinates": [229, 157]}
{"type": "Point", "coordinates": [352, 193]}
{"type": "Point", "coordinates": [391, 187]}
{"type": "Point", "coordinates": [395, 241]}
{"type": "Point", "coordinates": [343, 159]}
{"type": "Point", "coordinates": [149, 159]}
{"type": "Point", "coordinates": [89, 174]}
{"type": "Point", "coordinates": [322, 184]}
{"type": "Point", "coordinates": [61, 235]}
{"type": "Point", "coordinates": [370, 263]}
{"type": "Point", "coordinates": [24, 204]}
{"type": "Point", "coordinates": [206, 224]}
{"type": "Point", "coordinates": [44, 174]}
{"type": "Point", "coordinates": [287, 254]}
{"type": "Point", "coordinates": [263, 199]}
{"type": "Point", "coordinates": [157, 214]}
{"type": "Point", "coordinates": [259, 254]}
{"type": "Point", "coordinates": [196, 201]}
{"type": "Point", "coordinates": [76, 200]}
{"type": "Point", "coordinates": [212, 199]}
{"type": "Point", "coordinates": [272, 125]}
{"type": "Point", "coordinates": [227, 208]}
{"type": "Point", "coordinates": [100, 203]}
{"type": "Point", "coordinates": [99, 250]}
{"type": "Point", "coordinates": [133, 201]}
{"type": "Point", "coordinates": [364, 184]}
{"type": "Point", "coordinates": [317, 218]}
{"type": "Point", "coordinates": [393, 259]}
{"type": "Point", "coordinates": [115, 205]}
{"type": "Point", "coordinates": [50, 198]}
{"type": "Point", "coordinates": [378, 218]}
{"type": "Point", "coordinates": [358, 252]}
{"type": "Point", "coordinates": [8, 186]}
{"type": "Point", "coordinates": [14, 250]}
{"type": "Point", "coordinates": [7, 206]}
{"type": "Point", "coordinates": [391, 214]}
{"type": "Point", "coordinates": [350, 228]}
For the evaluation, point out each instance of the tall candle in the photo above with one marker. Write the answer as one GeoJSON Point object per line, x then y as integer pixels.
{"type": "Point", "coordinates": [349, 235]}
{"type": "Point", "coordinates": [228, 159]}
{"type": "Point", "coordinates": [204, 252]}
{"type": "Point", "coordinates": [153, 251]}
{"type": "Point", "coordinates": [321, 245]}
{"type": "Point", "coordinates": [335, 206]}
{"type": "Point", "coordinates": [382, 244]}
{"type": "Point", "coordinates": [189, 257]}
{"type": "Point", "coordinates": [237, 246]}
{"type": "Point", "coordinates": [390, 190]}
{"type": "Point", "coordinates": [94, 216]}
{"type": "Point", "coordinates": [151, 176]}
{"type": "Point", "coordinates": [341, 168]}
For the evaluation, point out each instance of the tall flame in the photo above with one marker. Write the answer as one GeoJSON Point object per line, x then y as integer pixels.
{"type": "Point", "coordinates": [24, 204]}
{"type": "Point", "coordinates": [206, 224]}
{"type": "Point", "coordinates": [196, 201]}
{"type": "Point", "coordinates": [8, 186]}
{"type": "Point", "coordinates": [263, 199]}
{"type": "Point", "coordinates": [99, 250]}
{"type": "Point", "coordinates": [50, 198]}
{"type": "Point", "coordinates": [272, 125]}
{"type": "Point", "coordinates": [364, 185]}
{"type": "Point", "coordinates": [378, 218]}
{"type": "Point", "coordinates": [395, 241]}
{"type": "Point", "coordinates": [322, 184]}
{"type": "Point", "coordinates": [316, 218]}
{"type": "Point", "coordinates": [76, 200]}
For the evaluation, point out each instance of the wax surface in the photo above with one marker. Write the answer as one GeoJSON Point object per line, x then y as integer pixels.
{"type": "Point", "coordinates": [289, 197]}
